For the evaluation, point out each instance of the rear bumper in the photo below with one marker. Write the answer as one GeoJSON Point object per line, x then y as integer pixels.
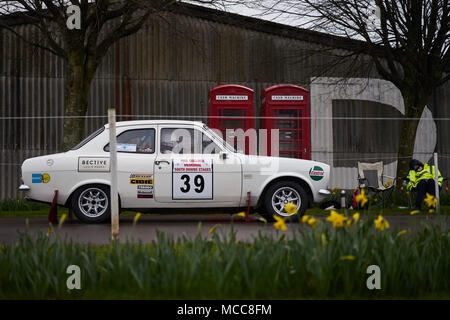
{"type": "Point", "coordinates": [24, 187]}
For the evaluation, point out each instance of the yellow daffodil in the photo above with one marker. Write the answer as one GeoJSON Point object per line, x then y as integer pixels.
{"type": "Point", "coordinates": [305, 218]}
{"type": "Point", "coordinates": [361, 198]}
{"type": "Point", "coordinates": [414, 212]}
{"type": "Point", "coordinates": [61, 221]}
{"type": "Point", "coordinates": [211, 231]}
{"type": "Point", "coordinates": [336, 219]}
{"type": "Point", "coordinates": [402, 233]}
{"type": "Point", "coordinates": [50, 228]}
{"type": "Point", "coordinates": [280, 224]}
{"type": "Point", "coordinates": [136, 218]}
{"type": "Point", "coordinates": [290, 208]}
{"type": "Point", "coordinates": [240, 214]}
{"type": "Point", "coordinates": [430, 210]}
{"type": "Point", "coordinates": [262, 219]}
{"type": "Point", "coordinates": [352, 221]}
{"type": "Point", "coordinates": [347, 257]}
{"type": "Point", "coordinates": [381, 223]}
{"type": "Point", "coordinates": [324, 239]}
{"type": "Point", "coordinates": [430, 200]}
{"type": "Point", "coordinates": [312, 222]}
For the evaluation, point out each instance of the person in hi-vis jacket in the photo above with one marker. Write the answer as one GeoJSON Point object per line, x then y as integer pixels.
{"type": "Point", "coordinates": [421, 180]}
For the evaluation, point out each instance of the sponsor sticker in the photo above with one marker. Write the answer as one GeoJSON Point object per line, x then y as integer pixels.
{"type": "Point", "coordinates": [316, 173]}
{"type": "Point", "coordinates": [40, 178]}
{"type": "Point", "coordinates": [141, 181]}
{"type": "Point", "coordinates": [146, 193]}
{"type": "Point", "coordinates": [92, 164]}
{"type": "Point", "coordinates": [144, 187]}
{"type": "Point", "coordinates": [127, 147]}
{"type": "Point", "coordinates": [148, 196]}
{"type": "Point", "coordinates": [141, 176]}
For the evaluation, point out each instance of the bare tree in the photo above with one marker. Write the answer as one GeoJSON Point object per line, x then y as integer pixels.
{"type": "Point", "coordinates": [407, 41]}
{"type": "Point", "coordinates": [103, 22]}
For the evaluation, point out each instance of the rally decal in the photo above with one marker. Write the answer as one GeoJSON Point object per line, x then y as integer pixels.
{"type": "Point", "coordinates": [192, 179]}
{"type": "Point", "coordinates": [144, 184]}
{"type": "Point", "coordinates": [316, 173]}
{"type": "Point", "coordinates": [40, 178]}
{"type": "Point", "coordinates": [90, 164]}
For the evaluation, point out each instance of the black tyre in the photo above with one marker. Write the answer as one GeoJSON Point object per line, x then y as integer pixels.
{"type": "Point", "coordinates": [278, 195]}
{"type": "Point", "coordinates": [91, 204]}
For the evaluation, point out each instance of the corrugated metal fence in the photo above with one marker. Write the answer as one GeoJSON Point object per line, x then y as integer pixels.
{"type": "Point", "coordinates": [173, 62]}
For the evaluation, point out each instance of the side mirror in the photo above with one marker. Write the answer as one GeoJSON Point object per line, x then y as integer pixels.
{"type": "Point", "coordinates": [223, 155]}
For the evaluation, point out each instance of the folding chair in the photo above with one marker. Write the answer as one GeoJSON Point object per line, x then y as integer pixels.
{"type": "Point", "coordinates": [370, 177]}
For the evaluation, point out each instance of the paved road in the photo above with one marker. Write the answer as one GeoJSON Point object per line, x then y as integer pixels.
{"type": "Point", "coordinates": [178, 225]}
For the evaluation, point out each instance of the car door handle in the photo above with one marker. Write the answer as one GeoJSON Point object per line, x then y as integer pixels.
{"type": "Point", "coordinates": [161, 161]}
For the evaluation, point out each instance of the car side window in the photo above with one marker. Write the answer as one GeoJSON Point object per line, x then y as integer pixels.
{"type": "Point", "coordinates": [177, 140]}
{"type": "Point", "coordinates": [135, 141]}
{"type": "Point", "coordinates": [209, 146]}
{"type": "Point", "coordinates": [186, 141]}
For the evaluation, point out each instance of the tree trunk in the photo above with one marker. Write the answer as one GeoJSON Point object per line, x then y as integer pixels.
{"type": "Point", "coordinates": [413, 109]}
{"type": "Point", "coordinates": [77, 86]}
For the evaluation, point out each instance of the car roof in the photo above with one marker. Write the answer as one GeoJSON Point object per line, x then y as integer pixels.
{"type": "Point", "coordinates": [154, 122]}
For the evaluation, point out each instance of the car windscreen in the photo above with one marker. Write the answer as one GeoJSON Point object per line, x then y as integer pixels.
{"type": "Point", "coordinates": [89, 138]}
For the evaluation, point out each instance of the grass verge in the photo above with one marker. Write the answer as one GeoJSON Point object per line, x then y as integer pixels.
{"type": "Point", "coordinates": [321, 262]}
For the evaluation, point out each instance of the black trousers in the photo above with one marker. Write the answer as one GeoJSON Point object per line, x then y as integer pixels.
{"type": "Point", "coordinates": [423, 187]}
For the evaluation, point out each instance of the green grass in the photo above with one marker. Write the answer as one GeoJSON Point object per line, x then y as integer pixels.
{"type": "Point", "coordinates": [413, 265]}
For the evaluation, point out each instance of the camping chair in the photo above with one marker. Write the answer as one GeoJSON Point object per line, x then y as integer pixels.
{"type": "Point", "coordinates": [370, 177]}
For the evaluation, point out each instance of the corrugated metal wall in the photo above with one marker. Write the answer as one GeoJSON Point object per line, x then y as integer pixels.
{"type": "Point", "coordinates": [173, 62]}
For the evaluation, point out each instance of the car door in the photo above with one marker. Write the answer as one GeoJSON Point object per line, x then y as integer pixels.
{"type": "Point", "coordinates": [189, 169]}
{"type": "Point", "coordinates": [136, 154]}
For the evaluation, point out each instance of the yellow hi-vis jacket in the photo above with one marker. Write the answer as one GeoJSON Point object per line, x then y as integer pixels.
{"type": "Point", "coordinates": [426, 173]}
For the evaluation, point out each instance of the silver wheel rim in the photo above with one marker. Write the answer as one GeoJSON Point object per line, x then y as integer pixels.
{"type": "Point", "coordinates": [93, 202]}
{"type": "Point", "coordinates": [283, 196]}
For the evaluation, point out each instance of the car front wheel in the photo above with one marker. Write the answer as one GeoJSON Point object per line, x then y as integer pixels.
{"type": "Point", "coordinates": [92, 203]}
{"type": "Point", "coordinates": [281, 193]}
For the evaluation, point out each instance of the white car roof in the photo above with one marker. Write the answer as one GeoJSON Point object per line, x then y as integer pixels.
{"type": "Point", "coordinates": [154, 122]}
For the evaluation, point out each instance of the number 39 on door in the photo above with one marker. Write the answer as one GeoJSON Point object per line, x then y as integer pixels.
{"type": "Point", "coordinates": [192, 179]}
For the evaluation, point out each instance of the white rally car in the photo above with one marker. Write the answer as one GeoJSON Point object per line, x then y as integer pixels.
{"type": "Point", "coordinates": [171, 164]}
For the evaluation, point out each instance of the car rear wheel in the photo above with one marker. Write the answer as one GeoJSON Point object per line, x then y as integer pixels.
{"type": "Point", "coordinates": [281, 193]}
{"type": "Point", "coordinates": [92, 203]}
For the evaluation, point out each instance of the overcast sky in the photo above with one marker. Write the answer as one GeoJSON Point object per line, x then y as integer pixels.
{"type": "Point", "coordinates": [246, 11]}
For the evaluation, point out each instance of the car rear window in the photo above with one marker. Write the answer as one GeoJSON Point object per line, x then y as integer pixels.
{"type": "Point", "coordinates": [89, 138]}
{"type": "Point", "coordinates": [135, 141]}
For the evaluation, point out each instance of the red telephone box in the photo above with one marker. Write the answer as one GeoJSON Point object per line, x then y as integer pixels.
{"type": "Point", "coordinates": [286, 107]}
{"type": "Point", "coordinates": [231, 106]}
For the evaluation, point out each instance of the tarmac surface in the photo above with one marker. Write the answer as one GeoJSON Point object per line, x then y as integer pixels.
{"type": "Point", "coordinates": [178, 225]}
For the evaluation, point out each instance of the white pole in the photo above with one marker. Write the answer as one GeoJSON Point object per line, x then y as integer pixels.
{"type": "Point", "coordinates": [436, 182]}
{"type": "Point", "coordinates": [113, 161]}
